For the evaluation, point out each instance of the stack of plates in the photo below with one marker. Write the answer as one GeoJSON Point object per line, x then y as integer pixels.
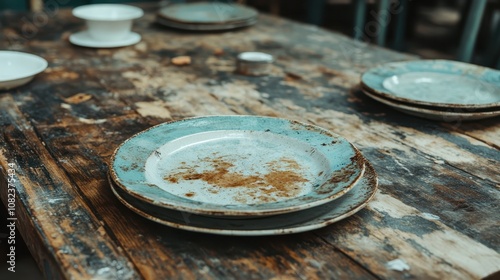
{"type": "Point", "coordinates": [207, 16]}
{"type": "Point", "coordinates": [436, 89]}
{"type": "Point", "coordinates": [241, 175]}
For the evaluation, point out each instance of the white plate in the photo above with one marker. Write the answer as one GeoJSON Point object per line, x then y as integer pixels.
{"type": "Point", "coordinates": [449, 115]}
{"type": "Point", "coordinates": [207, 13]}
{"type": "Point", "coordinates": [236, 166]}
{"type": "Point", "coordinates": [83, 39]}
{"type": "Point", "coordinates": [18, 68]}
{"type": "Point", "coordinates": [436, 83]}
{"type": "Point", "coordinates": [305, 220]}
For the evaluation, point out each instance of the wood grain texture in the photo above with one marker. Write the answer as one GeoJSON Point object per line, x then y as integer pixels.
{"type": "Point", "coordinates": [435, 216]}
{"type": "Point", "coordinates": [45, 193]}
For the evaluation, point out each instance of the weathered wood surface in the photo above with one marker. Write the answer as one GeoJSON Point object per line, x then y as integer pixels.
{"type": "Point", "coordinates": [437, 211]}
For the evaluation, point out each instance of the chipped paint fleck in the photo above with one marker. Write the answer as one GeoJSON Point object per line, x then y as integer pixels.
{"type": "Point", "coordinates": [402, 166]}
{"type": "Point", "coordinates": [397, 265]}
{"type": "Point", "coordinates": [91, 121]}
{"type": "Point", "coordinates": [430, 216]}
{"type": "Point", "coordinates": [65, 106]}
{"type": "Point", "coordinates": [153, 109]}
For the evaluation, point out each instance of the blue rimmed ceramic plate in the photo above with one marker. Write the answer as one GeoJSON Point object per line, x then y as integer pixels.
{"type": "Point", "coordinates": [439, 83]}
{"type": "Point", "coordinates": [305, 220]}
{"type": "Point", "coordinates": [236, 166]}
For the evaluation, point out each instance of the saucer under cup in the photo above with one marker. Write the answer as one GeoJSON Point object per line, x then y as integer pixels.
{"type": "Point", "coordinates": [108, 31]}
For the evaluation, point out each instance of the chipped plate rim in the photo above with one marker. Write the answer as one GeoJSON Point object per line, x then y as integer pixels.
{"type": "Point", "coordinates": [130, 175]}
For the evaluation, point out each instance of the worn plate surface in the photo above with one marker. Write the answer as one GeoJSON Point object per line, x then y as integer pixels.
{"type": "Point", "coordinates": [305, 220]}
{"type": "Point", "coordinates": [447, 115]}
{"type": "Point", "coordinates": [440, 83]}
{"type": "Point", "coordinates": [236, 166]}
{"type": "Point", "coordinates": [207, 13]}
{"type": "Point", "coordinates": [18, 68]}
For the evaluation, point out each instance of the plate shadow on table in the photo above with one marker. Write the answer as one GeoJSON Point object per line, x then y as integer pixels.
{"type": "Point", "coordinates": [378, 111]}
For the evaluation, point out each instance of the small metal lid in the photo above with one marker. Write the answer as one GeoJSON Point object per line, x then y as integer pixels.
{"type": "Point", "coordinates": [254, 63]}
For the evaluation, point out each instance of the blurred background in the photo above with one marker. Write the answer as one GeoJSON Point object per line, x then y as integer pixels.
{"type": "Point", "coordinates": [465, 30]}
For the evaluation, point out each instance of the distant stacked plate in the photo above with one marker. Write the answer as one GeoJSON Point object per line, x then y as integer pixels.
{"type": "Point", "coordinates": [436, 89]}
{"type": "Point", "coordinates": [241, 175]}
{"type": "Point", "coordinates": [207, 16]}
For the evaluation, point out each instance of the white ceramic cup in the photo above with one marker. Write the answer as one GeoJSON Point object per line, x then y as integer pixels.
{"type": "Point", "coordinates": [108, 22]}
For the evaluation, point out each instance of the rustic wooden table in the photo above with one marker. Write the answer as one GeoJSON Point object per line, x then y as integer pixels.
{"type": "Point", "coordinates": [435, 216]}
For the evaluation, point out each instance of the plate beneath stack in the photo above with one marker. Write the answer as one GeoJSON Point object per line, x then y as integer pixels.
{"type": "Point", "coordinates": [301, 221]}
{"type": "Point", "coordinates": [236, 166]}
{"type": "Point", "coordinates": [436, 89]}
{"type": "Point", "coordinates": [205, 27]}
{"type": "Point", "coordinates": [446, 115]}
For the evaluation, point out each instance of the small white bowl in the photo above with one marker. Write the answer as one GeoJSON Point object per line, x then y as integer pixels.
{"type": "Point", "coordinates": [108, 22]}
{"type": "Point", "coordinates": [18, 68]}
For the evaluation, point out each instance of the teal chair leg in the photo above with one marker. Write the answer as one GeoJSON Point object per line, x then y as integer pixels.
{"type": "Point", "coordinates": [359, 18]}
{"type": "Point", "coordinates": [383, 21]}
{"type": "Point", "coordinates": [399, 36]}
{"type": "Point", "coordinates": [468, 40]}
{"type": "Point", "coordinates": [315, 11]}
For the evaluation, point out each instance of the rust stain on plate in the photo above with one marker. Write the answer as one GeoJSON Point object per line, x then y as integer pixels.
{"type": "Point", "coordinates": [282, 180]}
